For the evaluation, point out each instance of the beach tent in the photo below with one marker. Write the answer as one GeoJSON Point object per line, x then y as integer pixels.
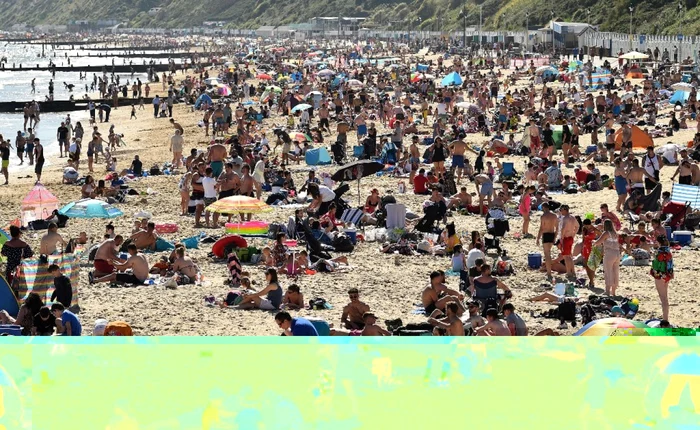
{"type": "Point", "coordinates": [640, 140]}
{"type": "Point", "coordinates": [679, 96]}
{"type": "Point", "coordinates": [39, 204]}
{"type": "Point", "coordinates": [8, 301]}
{"type": "Point", "coordinates": [318, 156]}
{"type": "Point", "coordinates": [599, 80]}
{"type": "Point", "coordinates": [204, 98]}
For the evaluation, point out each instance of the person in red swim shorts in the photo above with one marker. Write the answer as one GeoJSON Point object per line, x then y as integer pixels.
{"type": "Point", "coordinates": [569, 228]}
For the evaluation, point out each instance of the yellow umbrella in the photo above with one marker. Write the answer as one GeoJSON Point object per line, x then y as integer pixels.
{"type": "Point", "coordinates": [283, 78]}
{"type": "Point", "coordinates": [238, 205]}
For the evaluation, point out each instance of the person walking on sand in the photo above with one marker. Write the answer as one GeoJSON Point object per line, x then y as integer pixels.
{"type": "Point", "coordinates": [524, 209]}
{"type": "Point", "coordinates": [5, 155]}
{"type": "Point", "coordinates": [39, 157]}
{"type": "Point", "coordinates": [176, 145]}
{"type": "Point", "coordinates": [662, 272]}
{"type": "Point", "coordinates": [548, 235]}
{"type": "Point", "coordinates": [567, 233]}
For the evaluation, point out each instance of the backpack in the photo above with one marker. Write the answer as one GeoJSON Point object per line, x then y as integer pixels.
{"type": "Point", "coordinates": [233, 298]}
{"type": "Point", "coordinates": [342, 243]}
{"type": "Point", "coordinates": [587, 314]}
{"type": "Point", "coordinates": [567, 312]}
{"type": "Point", "coordinates": [318, 304]}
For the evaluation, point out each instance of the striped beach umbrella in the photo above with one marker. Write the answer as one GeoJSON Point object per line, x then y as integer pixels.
{"type": "Point", "coordinates": [238, 205]}
{"type": "Point", "coordinates": [614, 327]}
{"type": "Point", "coordinates": [90, 208]}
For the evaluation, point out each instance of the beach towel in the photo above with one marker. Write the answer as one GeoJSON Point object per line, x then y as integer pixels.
{"type": "Point", "coordinates": [595, 258]}
{"type": "Point", "coordinates": [163, 245]}
{"type": "Point", "coordinates": [35, 278]}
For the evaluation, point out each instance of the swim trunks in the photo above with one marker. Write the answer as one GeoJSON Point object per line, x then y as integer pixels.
{"type": "Point", "coordinates": [567, 245]}
{"type": "Point", "coordinates": [103, 266]}
{"type": "Point", "coordinates": [548, 237]}
{"type": "Point", "coordinates": [486, 189]}
{"type": "Point", "coordinates": [128, 278]}
{"type": "Point", "coordinates": [430, 309]}
{"type": "Point", "coordinates": [458, 161]}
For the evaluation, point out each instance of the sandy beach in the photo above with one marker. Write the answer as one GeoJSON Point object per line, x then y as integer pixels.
{"type": "Point", "coordinates": [389, 286]}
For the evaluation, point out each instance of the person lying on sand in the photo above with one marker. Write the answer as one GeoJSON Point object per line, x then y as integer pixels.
{"type": "Point", "coordinates": [293, 299]}
{"type": "Point", "coordinates": [371, 327]}
{"type": "Point", "coordinates": [352, 317]}
{"type": "Point", "coordinates": [495, 326]}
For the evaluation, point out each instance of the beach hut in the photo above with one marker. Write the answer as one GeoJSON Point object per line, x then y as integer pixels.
{"type": "Point", "coordinates": [640, 140]}
{"type": "Point", "coordinates": [39, 204]}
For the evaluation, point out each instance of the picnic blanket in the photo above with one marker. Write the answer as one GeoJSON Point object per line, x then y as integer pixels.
{"type": "Point", "coordinates": [35, 278]}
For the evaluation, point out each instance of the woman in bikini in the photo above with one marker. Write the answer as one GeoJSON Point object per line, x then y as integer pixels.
{"type": "Point", "coordinates": [373, 202]}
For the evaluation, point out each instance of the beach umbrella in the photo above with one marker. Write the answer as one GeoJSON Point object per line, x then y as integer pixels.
{"type": "Point", "coordinates": [264, 77]}
{"type": "Point", "coordinates": [634, 55]}
{"type": "Point", "coordinates": [301, 137]}
{"type": "Point", "coordinates": [224, 90]}
{"type": "Point", "coordinates": [238, 205]}
{"type": "Point", "coordinates": [355, 83]}
{"type": "Point", "coordinates": [274, 88]}
{"type": "Point", "coordinates": [300, 107]}
{"type": "Point", "coordinates": [314, 94]}
{"type": "Point", "coordinates": [546, 69]}
{"type": "Point", "coordinates": [326, 72]}
{"type": "Point", "coordinates": [682, 86]}
{"type": "Point", "coordinates": [627, 96]}
{"type": "Point", "coordinates": [614, 327]}
{"type": "Point", "coordinates": [356, 171]}
{"type": "Point", "coordinates": [211, 81]}
{"type": "Point", "coordinates": [452, 79]}
{"type": "Point", "coordinates": [90, 208]}
{"type": "Point", "coordinates": [283, 78]}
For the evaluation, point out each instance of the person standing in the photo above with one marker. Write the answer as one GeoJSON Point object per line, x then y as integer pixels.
{"type": "Point", "coordinates": [19, 144]}
{"type": "Point", "coordinates": [62, 137]}
{"type": "Point", "coordinates": [176, 145]}
{"type": "Point", "coordinates": [611, 256]}
{"type": "Point", "coordinates": [39, 157]}
{"type": "Point", "coordinates": [5, 155]}
{"type": "Point", "coordinates": [156, 106]}
{"type": "Point", "coordinates": [547, 234]}
{"type": "Point", "coordinates": [568, 229]}
{"type": "Point", "coordinates": [652, 164]}
{"type": "Point", "coordinates": [662, 272]}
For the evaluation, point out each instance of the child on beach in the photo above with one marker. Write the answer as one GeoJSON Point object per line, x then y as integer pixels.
{"type": "Point", "coordinates": [524, 209]}
{"type": "Point", "coordinates": [63, 291]}
{"type": "Point", "coordinates": [133, 111]}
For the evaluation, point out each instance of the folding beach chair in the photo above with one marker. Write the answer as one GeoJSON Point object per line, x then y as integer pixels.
{"type": "Point", "coordinates": [395, 216]}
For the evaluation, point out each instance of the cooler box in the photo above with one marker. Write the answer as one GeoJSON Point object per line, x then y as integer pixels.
{"type": "Point", "coordinates": [534, 260]}
{"type": "Point", "coordinates": [12, 330]}
{"type": "Point", "coordinates": [683, 237]}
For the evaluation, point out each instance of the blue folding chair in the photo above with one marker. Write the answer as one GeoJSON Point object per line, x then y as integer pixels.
{"type": "Point", "coordinates": [508, 170]}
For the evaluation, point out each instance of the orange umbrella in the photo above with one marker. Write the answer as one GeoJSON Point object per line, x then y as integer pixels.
{"type": "Point", "coordinates": [264, 76]}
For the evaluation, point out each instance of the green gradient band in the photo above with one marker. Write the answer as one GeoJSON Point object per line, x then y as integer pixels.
{"type": "Point", "coordinates": [345, 383]}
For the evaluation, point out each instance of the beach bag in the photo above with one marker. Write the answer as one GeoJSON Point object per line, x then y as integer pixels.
{"type": "Point", "coordinates": [155, 170]}
{"type": "Point", "coordinates": [595, 258]}
{"type": "Point", "coordinates": [233, 298]}
{"type": "Point", "coordinates": [319, 304]}
{"type": "Point", "coordinates": [342, 243]}
{"type": "Point", "coordinates": [587, 314]}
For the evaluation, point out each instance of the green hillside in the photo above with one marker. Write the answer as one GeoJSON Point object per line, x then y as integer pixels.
{"type": "Point", "coordinates": [650, 16]}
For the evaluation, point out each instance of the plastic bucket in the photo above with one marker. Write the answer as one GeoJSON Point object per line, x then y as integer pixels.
{"type": "Point", "coordinates": [683, 237]}
{"type": "Point", "coordinates": [534, 260]}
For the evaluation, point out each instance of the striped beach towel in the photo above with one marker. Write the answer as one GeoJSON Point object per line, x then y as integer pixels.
{"type": "Point", "coordinates": [35, 278]}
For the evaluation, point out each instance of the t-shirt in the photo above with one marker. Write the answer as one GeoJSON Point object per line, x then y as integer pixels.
{"type": "Point", "coordinates": [327, 195]}
{"type": "Point", "coordinates": [5, 153]}
{"type": "Point", "coordinates": [209, 185]}
{"type": "Point", "coordinates": [75, 327]}
{"type": "Point", "coordinates": [62, 133]}
{"type": "Point", "coordinates": [582, 176]}
{"type": "Point", "coordinates": [303, 327]}
{"type": "Point", "coordinates": [419, 183]}
{"type": "Point", "coordinates": [63, 292]}
{"type": "Point", "coordinates": [473, 255]}
{"type": "Point", "coordinates": [44, 327]}
{"type": "Point", "coordinates": [520, 327]}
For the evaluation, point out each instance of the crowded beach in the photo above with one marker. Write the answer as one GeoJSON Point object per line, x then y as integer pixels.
{"type": "Point", "coordinates": [324, 188]}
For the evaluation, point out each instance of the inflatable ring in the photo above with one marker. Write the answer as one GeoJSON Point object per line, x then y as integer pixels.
{"type": "Point", "coordinates": [166, 228]}
{"type": "Point", "coordinates": [219, 248]}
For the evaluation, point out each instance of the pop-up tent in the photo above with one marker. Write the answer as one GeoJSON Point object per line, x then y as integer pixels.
{"type": "Point", "coordinates": [39, 204]}
{"type": "Point", "coordinates": [204, 98]}
{"type": "Point", "coordinates": [318, 156]}
{"type": "Point", "coordinates": [8, 300]}
{"type": "Point", "coordinates": [640, 140]}
{"type": "Point", "coordinates": [679, 96]}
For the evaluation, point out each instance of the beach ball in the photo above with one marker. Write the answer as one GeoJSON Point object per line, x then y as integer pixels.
{"type": "Point", "coordinates": [590, 216]}
{"type": "Point", "coordinates": [673, 392]}
{"type": "Point", "coordinates": [11, 409]}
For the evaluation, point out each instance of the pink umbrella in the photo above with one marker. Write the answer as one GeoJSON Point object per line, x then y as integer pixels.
{"type": "Point", "coordinates": [264, 76]}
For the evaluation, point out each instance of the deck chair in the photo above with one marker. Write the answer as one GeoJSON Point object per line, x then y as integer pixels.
{"type": "Point", "coordinates": [508, 171]}
{"type": "Point", "coordinates": [352, 216]}
{"type": "Point", "coordinates": [395, 216]}
{"type": "Point", "coordinates": [358, 152]}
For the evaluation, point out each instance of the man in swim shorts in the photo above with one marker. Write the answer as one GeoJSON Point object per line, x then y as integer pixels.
{"type": "Point", "coordinates": [216, 155]}
{"type": "Point", "coordinates": [548, 235]}
{"type": "Point", "coordinates": [107, 252]}
{"type": "Point", "coordinates": [484, 187]}
{"type": "Point", "coordinates": [569, 228]}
